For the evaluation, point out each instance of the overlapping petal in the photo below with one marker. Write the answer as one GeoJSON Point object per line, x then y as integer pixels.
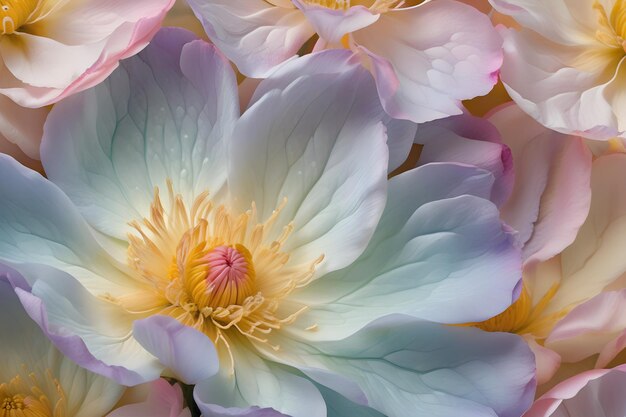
{"type": "Point", "coordinates": [155, 119]}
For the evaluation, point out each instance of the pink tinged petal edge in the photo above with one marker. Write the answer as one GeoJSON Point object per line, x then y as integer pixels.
{"type": "Point", "coordinates": [552, 194]}
{"type": "Point", "coordinates": [596, 326]}
{"type": "Point", "coordinates": [188, 353]}
{"type": "Point", "coordinates": [142, 31]}
{"type": "Point", "coordinates": [550, 401]}
{"type": "Point", "coordinates": [548, 361]}
{"type": "Point", "coordinates": [331, 24]}
{"type": "Point", "coordinates": [72, 345]}
{"type": "Point", "coordinates": [164, 400]}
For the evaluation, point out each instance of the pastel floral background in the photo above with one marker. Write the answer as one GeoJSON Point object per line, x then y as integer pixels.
{"type": "Point", "coordinates": [312, 208]}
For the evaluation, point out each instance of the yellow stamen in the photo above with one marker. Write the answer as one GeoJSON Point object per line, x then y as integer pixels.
{"type": "Point", "coordinates": [31, 396]}
{"type": "Point", "coordinates": [15, 13]}
{"type": "Point", "coordinates": [612, 30]}
{"type": "Point", "coordinates": [524, 317]}
{"type": "Point", "coordinates": [215, 270]}
{"type": "Point", "coordinates": [378, 6]}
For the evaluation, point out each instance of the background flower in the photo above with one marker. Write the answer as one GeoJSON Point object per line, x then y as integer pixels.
{"type": "Point", "coordinates": [425, 58]}
{"type": "Point", "coordinates": [564, 66]}
{"type": "Point", "coordinates": [35, 378]}
{"type": "Point", "coordinates": [50, 49]}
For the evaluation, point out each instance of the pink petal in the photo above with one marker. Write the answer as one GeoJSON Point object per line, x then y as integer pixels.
{"type": "Point", "coordinates": [164, 400]}
{"type": "Point", "coordinates": [441, 52]}
{"type": "Point", "coordinates": [596, 326]}
{"type": "Point", "coordinates": [76, 46]}
{"type": "Point", "coordinates": [551, 196]}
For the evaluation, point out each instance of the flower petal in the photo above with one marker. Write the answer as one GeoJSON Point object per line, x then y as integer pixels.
{"type": "Point", "coordinates": [408, 367]}
{"type": "Point", "coordinates": [597, 393]}
{"type": "Point", "coordinates": [547, 81]}
{"type": "Point", "coordinates": [185, 351]}
{"type": "Point", "coordinates": [24, 347]}
{"type": "Point", "coordinates": [440, 253]}
{"type": "Point", "coordinates": [257, 388]}
{"type": "Point", "coordinates": [568, 21]}
{"type": "Point", "coordinates": [592, 327]}
{"type": "Point", "coordinates": [318, 140]}
{"type": "Point", "coordinates": [256, 35]}
{"type": "Point", "coordinates": [469, 140]}
{"type": "Point", "coordinates": [333, 24]}
{"type": "Point", "coordinates": [551, 196]}
{"type": "Point", "coordinates": [597, 250]}
{"type": "Point", "coordinates": [441, 52]}
{"type": "Point", "coordinates": [164, 400]}
{"type": "Point", "coordinates": [162, 115]}
{"type": "Point", "coordinates": [42, 228]}
{"type": "Point", "coordinates": [22, 126]}
{"type": "Point", "coordinates": [339, 406]}
{"type": "Point", "coordinates": [75, 46]}
{"type": "Point", "coordinates": [90, 331]}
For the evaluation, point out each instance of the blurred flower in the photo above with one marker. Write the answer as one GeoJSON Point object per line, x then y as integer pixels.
{"type": "Point", "coordinates": [425, 58]}
{"type": "Point", "coordinates": [175, 232]}
{"type": "Point", "coordinates": [564, 67]}
{"type": "Point", "coordinates": [36, 380]}
{"type": "Point", "coordinates": [50, 49]}
{"type": "Point", "coordinates": [597, 393]}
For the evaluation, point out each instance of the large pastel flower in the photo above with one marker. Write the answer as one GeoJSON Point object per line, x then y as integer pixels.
{"type": "Point", "coordinates": [425, 58]}
{"type": "Point", "coordinates": [170, 221]}
{"type": "Point", "coordinates": [50, 49]}
{"type": "Point", "coordinates": [36, 380]}
{"type": "Point", "coordinates": [564, 67]}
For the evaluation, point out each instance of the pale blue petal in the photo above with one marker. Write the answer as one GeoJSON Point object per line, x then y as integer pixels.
{"type": "Point", "coordinates": [164, 114]}
{"type": "Point", "coordinates": [270, 387]}
{"type": "Point", "coordinates": [39, 227]}
{"type": "Point", "coordinates": [317, 139]}
{"type": "Point", "coordinates": [411, 368]}
{"type": "Point", "coordinates": [338, 406]}
{"type": "Point", "coordinates": [440, 253]}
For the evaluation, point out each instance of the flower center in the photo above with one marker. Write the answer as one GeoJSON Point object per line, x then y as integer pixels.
{"type": "Point", "coordinates": [29, 397]}
{"type": "Point", "coordinates": [14, 13]}
{"type": "Point", "coordinates": [612, 31]}
{"type": "Point", "coordinates": [221, 272]}
{"type": "Point", "coordinates": [374, 5]}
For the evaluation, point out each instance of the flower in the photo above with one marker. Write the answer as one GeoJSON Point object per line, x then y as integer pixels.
{"type": "Point", "coordinates": [564, 66]}
{"type": "Point", "coordinates": [174, 232]}
{"type": "Point", "coordinates": [36, 380]}
{"type": "Point", "coordinates": [425, 58]}
{"type": "Point", "coordinates": [51, 49]}
{"type": "Point", "coordinates": [593, 393]}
